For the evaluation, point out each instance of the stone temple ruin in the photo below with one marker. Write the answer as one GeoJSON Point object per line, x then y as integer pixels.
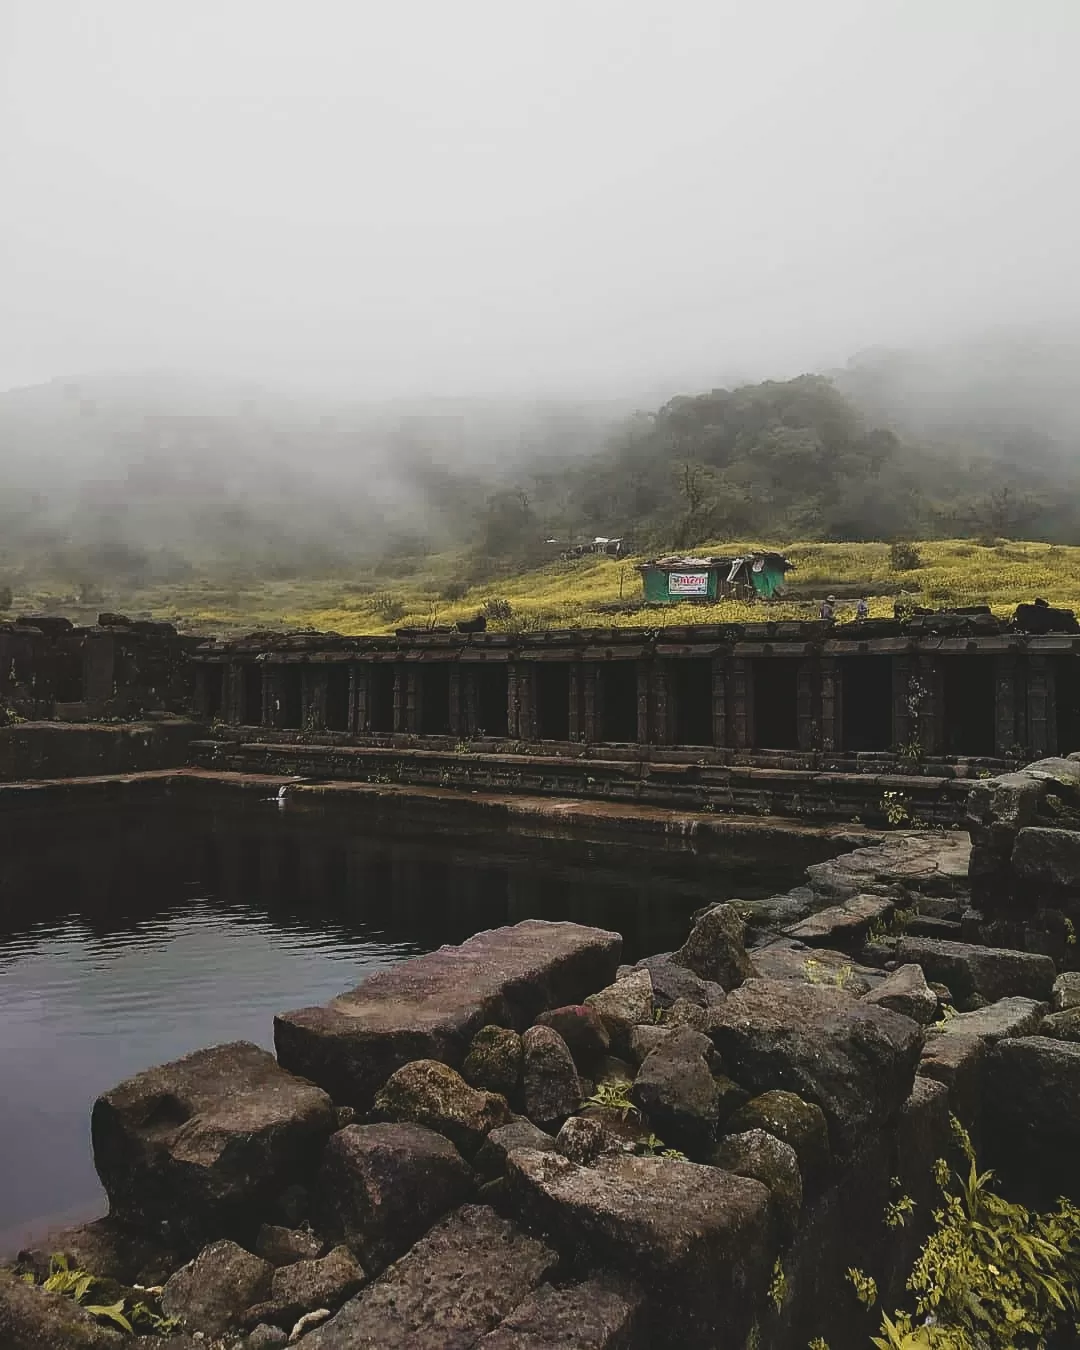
{"type": "Point", "coordinates": [522, 1143]}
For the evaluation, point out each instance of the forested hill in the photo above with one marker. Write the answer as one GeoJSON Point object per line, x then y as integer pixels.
{"type": "Point", "coordinates": [150, 480]}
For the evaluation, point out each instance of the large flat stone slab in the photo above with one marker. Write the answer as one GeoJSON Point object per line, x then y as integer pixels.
{"type": "Point", "coordinates": [198, 1149]}
{"type": "Point", "coordinates": [926, 861]}
{"type": "Point", "coordinates": [457, 1284]}
{"type": "Point", "coordinates": [431, 1007]}
{"type": "Point", "coordinates": [696, 1239]}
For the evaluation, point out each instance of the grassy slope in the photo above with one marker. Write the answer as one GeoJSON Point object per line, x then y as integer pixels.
{"type": "Point", "coordinates": [568, 594]}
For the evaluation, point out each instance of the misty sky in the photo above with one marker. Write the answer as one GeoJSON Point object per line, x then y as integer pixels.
{"type": "Point", "coordinates": [501, 196]}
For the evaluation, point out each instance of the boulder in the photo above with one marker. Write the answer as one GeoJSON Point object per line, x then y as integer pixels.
{"type": "Point", "coordinates": [200, 1147]}
{"type": "Point", "coordinates": [694, 1239]}
{"type": "Point", "coordinates": [856, 1061]}
{"type": "Point", "coordinates": [381, 1186]}
{"type": "Point", "coordinates": [428, 1093]}
{"type": "Point", "coordinates": [455, 1285]}
{"type": "Point", "coordinates": [212, 1293]}
{"type": "Point", "coordinates": [307, 1285]}
{"type": "Point", "coordinates": [601, 1314]}
{"type": "Point", "coordinates": [905, 991]}
{"type": "Point", "coordinates": [845, 925]}
{"type": "Point", "coordinates": [768, 1160]}
{"type": "Point", "coordinates": [671, 981]}
{"type": "Point", "coordinates": [676, 1092]}
{"type": "Point", "coordinates": [992, 972]}
{"type": "Point", "coordinates": [1066, 991]}
{"type": "Point", "coordinates": [624, 1005]}
{"type": "Point", "coordinates": [283, 1246]}
{"type": "Point", "coordinates": [494, 1061]}
{"type": "Point", "coordinates": [716, 948]}
{"type": "Point", "coordinates": [583, 1139]}
{"type": "Point", "coordinates": [31, 1319]}
{"type": "Point", "coordinates": [801, 1125]}
{"type": "Point", "coordinates": [432, 1006]}
{"type": "Point", "coordinates": [1063, 1026]}
{"type": "Point", "coordinates": [583, 1030]}
{"type": "Point", "coordinates": [551, 1088]}
{"type": "Point", "coordinates": [490, 1162]}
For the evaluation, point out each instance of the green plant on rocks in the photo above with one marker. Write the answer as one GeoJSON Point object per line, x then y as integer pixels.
{"type": "Point", "coordinates": [614, 1095]}
{"type": "Point", "coordinates": [132, 1315]}
{"type": "Point", "coordinates": [654, 1147]}
{"type": "Point", "coordinates": [991, 1276]}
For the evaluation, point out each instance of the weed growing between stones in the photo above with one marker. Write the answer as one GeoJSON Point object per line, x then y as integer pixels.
{"type": "Point", "coordinates": [654, 1147]}
{"type": "Point", "coordinates": [614, 1096]}
{"type": "Point", "coordinates": [817, 972]}
{"type": "Point", "coordinates": [129, 1314]}
{"type": "Point", "coordinates": [991, 1276]}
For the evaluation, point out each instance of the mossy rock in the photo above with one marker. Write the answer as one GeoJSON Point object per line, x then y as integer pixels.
{"type": "Point", "coordinates": [494, 1060]}
{"type": "Point", "coordinates": [795, 1122]}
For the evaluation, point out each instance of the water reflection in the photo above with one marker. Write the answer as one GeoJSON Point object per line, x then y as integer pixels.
{"type": "Point", "coordinates": [128, 937]}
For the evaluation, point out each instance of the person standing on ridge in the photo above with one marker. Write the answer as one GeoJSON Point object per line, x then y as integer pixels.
{"type": "Point", "coordinates": [828, 609]}
{"type": "Point", "coordinates": [862, 609]}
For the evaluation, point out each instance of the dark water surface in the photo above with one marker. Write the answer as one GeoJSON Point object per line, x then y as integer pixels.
{"type": "Point", "coordinates": [130, 936]}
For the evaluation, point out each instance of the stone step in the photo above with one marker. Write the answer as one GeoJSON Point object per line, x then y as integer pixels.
{"type": "Point", "coordinates": [432, 1006]}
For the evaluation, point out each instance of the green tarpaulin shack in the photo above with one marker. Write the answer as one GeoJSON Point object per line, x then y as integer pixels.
{"type": "Point", "coordinates": [747, 576]}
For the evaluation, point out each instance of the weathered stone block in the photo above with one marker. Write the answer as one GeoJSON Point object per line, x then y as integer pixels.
{"type": "Point", "coordinates": [282, 1246]}
{"type": "Point", "coordinates": [676, 1091]}
{"type": "Point", "coordinates": [758, 1154]}
{"type": "Point", "coordinates": [1006, 1017]}
{"type": "Point", "coordinates": [716, 948]}
{"type": "Point", "coordinates": [696, 1239]}
{"type": "Point", "coordinates": [601, 1314]}
{"type": "Point", "coordinates": [455, 1285]}
{"type": "Point", "coordinates": [671, 981]}
{"type": "Point", "coordinates": [786, 959]}
{"type": "Point", "coordinates": [854, 1060]}
{"type": "Point", "coordinates": [490, 1162]}
{"type": "Point", "coordinates": [799, 1124]}
{"type": "Point", "coordinates": [212, 1293]}
{"type": "Point", "coordinates": [1044, 856]}
{"type": "Point", "coordinates": [307, 1285]}
{"type": "Point", "coordinates": [956, 1063]}
{"type": "Point", "coordinates": [550, 1084]}
{"type": "Point", "coordinates": [381, 1187]}
{"type": "Point", "coordinates": [992, 972]}
{"type": "Point", "coordinates": [845, 925]}
{"type": "Point", "coordinates": [583, 1030]}
{"type": "Point", "coordinates": [431, 1007]}
{"type": "Point", "coordinates": [426, 1092]}
{"type": "Point", "coordinates": [199, 1148]}
{"type": "Point", "coordinates": [494, 1060]}
{"type": "Point", "coordinates": [624, 1005]}
{"type": "Point", "coordinates": [1066, 991]}
{"type": "Point", "coordinates": [906, 991]}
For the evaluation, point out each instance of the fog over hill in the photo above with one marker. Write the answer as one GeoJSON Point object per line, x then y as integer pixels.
{"type": "Point", "coordinates": [157, 476]}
